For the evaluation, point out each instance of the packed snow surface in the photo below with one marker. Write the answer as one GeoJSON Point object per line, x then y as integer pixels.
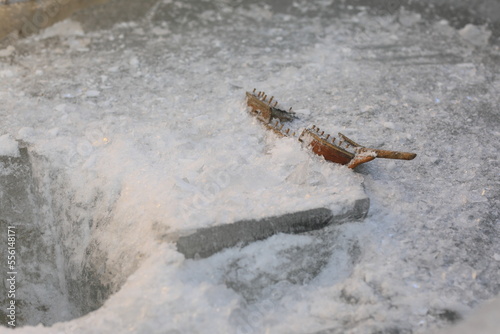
{"type": "Point", "coordinates": [148, 124]}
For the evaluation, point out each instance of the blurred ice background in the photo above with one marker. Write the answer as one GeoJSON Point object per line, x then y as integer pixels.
{"type": "Point", "coordinates": [134, 127]}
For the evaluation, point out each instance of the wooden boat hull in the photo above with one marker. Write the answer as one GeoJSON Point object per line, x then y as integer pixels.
{"type": "Point", "coordinates": [341, 150]}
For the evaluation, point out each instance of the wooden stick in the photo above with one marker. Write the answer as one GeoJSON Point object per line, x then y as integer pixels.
{"type": "Point", "coordinates": [390, 154]}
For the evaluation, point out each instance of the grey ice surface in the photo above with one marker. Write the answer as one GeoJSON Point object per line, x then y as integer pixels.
{"type": "Point", "coordinates": [207, 241]}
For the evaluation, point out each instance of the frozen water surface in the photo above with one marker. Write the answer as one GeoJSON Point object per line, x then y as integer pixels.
{"type": "Point", "coordinates": [139, 131]}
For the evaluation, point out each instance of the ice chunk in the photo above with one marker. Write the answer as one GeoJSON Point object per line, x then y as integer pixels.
{"type": "Point", "coordinates": [303, 111]}
{"type": "Point", "coordinates": [8, 146]}
{"type": "Point", "coordinates": [7, 51]}
{"type": "Point", "coordinates": [93, 93]}
{"type": "Point", "coordinates": [65, 28]}
{"type": "Point", "coordinates": [7, 73]}
{"type": "Point", "coordinates": [475, 35]}
{"type": "Point", "coordinates": [160, 31]}
{"type": "Point", "coordinates": [25, 133]}
{"type": "Point", "coordinates": [408, 19]}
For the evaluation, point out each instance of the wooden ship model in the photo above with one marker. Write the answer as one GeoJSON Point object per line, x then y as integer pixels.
{"type": "Point", "coordinates": [341, 149]}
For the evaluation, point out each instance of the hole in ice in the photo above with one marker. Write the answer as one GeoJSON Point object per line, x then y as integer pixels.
{"type": "Point", "coordinates": [61, 270]}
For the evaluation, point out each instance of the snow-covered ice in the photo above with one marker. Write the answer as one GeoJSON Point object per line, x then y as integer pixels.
{"type": "Point", "coordinates": [140, 131]}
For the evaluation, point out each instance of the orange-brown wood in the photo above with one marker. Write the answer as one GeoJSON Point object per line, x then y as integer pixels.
{"type": "Point", "coordinates": [330, 153]}
{"type": "Point", "coordinates": [391, 154]}
{"type": "Point", "coordinates": [343, 151]}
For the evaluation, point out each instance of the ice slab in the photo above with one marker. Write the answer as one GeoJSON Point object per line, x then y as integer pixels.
{"type": "Point", "coordinates": [207, 241]}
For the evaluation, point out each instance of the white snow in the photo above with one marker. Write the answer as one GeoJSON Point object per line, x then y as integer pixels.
{"type": "Point", "coordinates": [164, 144]}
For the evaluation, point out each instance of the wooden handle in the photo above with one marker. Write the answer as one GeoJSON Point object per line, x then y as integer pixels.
{"type": "Point", "coordinates": [391, 154]}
